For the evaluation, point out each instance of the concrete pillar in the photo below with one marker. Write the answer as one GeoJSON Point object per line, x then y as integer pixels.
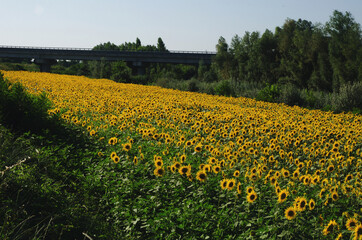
{"type": "Point", "coordinates": [45, 64]}
{"type": "Point", "coordinates": [138, 68]}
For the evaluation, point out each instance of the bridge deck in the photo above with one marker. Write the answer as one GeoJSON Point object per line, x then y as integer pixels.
{"type": "Point", "coordinates": [39, 53]}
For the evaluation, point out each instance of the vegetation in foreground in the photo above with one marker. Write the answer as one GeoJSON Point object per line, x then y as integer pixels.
{"type": "Point", "coordinates": [128, 161]}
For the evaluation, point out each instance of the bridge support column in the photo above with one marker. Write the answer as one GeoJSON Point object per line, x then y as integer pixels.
{"type": "Point", "coordinates": [138, 68]}
{"type": "Point", "coordinates": [45, 64]}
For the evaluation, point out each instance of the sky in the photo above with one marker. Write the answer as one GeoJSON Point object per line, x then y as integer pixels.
{"type": "Point", "coordinates": [186, 25]}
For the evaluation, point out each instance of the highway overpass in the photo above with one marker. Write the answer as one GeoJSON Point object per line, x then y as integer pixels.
{"type": "Point", "coordinates": [45, 57]}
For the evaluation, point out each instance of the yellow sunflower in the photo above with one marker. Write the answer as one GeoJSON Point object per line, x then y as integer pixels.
{"type": "Point", "coordinates": [351, 224]}
{"type": "Point", "coordinates": [159, 171]}
{"type": "Point", "coordinates": [290, 213]}
{"type": "Point", "coordinates": [127, 147]}
{"type": "Point", "coordinates": [251, 197]}
{"type": "Point", "coordinates": [282, 196]}
{"type": "Point", "coordinates": [331, 227]}
{"type": "Point", "coordinates": [201, 176]}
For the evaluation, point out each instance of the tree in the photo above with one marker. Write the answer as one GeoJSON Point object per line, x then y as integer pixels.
{"type": "Point", "coordinates": [223, 59]}
{"type": "Point", "coordinates": [344, 47]}
{"type": "Point", "coordinates": [120, 72]}
{"type": "Point", "coordinates": [160, 45]}
{"type": "Point", "coordinates": [138, 43]}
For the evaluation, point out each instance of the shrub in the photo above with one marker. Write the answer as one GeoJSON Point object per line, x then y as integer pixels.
{"type": "Point", "coordinates": [193, 85]}
{"type": "Point", "coordinates": [269, 94]}
{"type": "Point", "coordinates": [20, 109]}
{"type": "Point", "coordinates": [349, 97]}
{"type": "Point", "coordinates": [291, 95]}
{"type": "Point", "coordinates": [224, 88]}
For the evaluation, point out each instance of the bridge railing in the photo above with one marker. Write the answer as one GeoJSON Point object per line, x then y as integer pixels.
{"type": "Point", "coordinates": [91, 49]}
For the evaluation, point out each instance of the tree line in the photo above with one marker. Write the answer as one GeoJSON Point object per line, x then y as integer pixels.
{"type": "Point", "coordinates": [300, 63]}
{"type": "Point", "coordinates": [312, 56]}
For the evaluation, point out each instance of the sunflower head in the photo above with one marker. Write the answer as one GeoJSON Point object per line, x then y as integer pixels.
{"type": "Point", "coordinates": [290, 213]}
{"type": "Point", "coordinates": [358, 231]}
{"type": "Point", "coordinates": [127, 147]}
{"type": "Point", "coordinates": [331, 227]}
{"type": "Point", "coordinates": [159, 171]}
{"type": "Point", "coordinates": [351, 224]}
{"type": "Point", "coordinates": [282, 196]}
{"type": "Point", "coordinates": [231, 184]}
{"type": "Point", "coordinates": [201, 176]}
{"type": "Point", "coordinates": [224, 183]}
{"type": "Point", "coordinates": [311, 204]}
{"type": "Point", "coordinates": [251, 197]}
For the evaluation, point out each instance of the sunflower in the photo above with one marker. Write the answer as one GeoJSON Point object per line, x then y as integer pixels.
{"type": "Point", "coordinates": [348, 177]}
{"type": "Point", "coordinates": [285, 173]}
{"type": "Point", "coordinates": [330, 168]}
{"type": "Point", "coordinates": [251, 197]}
{"type": "Point", "coordinates": [231, 184]}
{"type": "Point", "coordinates": [238, 188]}
{"type": "Point", "coordinates": [212, 160]}
{"type": "Point", "coordinates": [177, 165]}
{"type": "Point", "coordinates": [182, 158]}
{"type": "Point", "coordinates": [296, 173]}
{"type": "Point", "coordinates": [236, 173]}
{"type": "Point", "coordinates": [334, 196]}
{"type": "Point", "coordinates": [249, 189]}
{"type": "Point", "coordinates": [357, 233]}
{"type": "Point", "coordinates": [112, 141]}
{"type": "Point", "coordinates": [184, 170]}
{"type": "Point", "coordinates": [311, 204]}
{"type": "Point", "coordinates": [127, 147]}
{"type": "Point", "coordinates": [113, 154]}
{"type": "Point", "coordinates": [159, 171]}
{"type": "Point", "coordinates": [290, 213]}
{"type": "Point", "coordinates": [272, 180]}
{"type": "Point", "coordinates": [224, 183]}
{"type": "Point", "coordinates": [158, 163]}
{"type": "Point", "coordinates": [135, 160]}
{"type": "Point", "coordinates": [216, 169]}
{"type": "Point", "coordinates": [300, 203]}
{"type": "Point", "coordinates": [351, 224]}
{"type": "Point", "coordinates": [198, 148]}
{"type": "Point", "coordinates": [253, 177]}
{"type": "Point", "coordinates": [201, 176]}
{"type": "Point", "coordinates": [207, 168]}
{"type": "Point", "coordinates": [283, 194]}
{"type": "Point", "coordinates": [332, 226]}
{"type": "Point", "coordinates": [115, 159]}
{"type": "Point", "coordinates": [323, 190]}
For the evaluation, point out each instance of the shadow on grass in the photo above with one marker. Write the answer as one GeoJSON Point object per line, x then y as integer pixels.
{"type": "Point", "coordinates": [43, 179]}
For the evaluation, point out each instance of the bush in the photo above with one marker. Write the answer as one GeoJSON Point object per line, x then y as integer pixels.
{"type": "Point", "coordinates": [193, 85]}
{"type": "Point", "coordinates": [224, 88]}
{"type": "Point", "coordinates": [349, 97]}
{"type": "Point", "coordinates": [291, 95]}
{"type": "Point", "coordinates": [20, 109]}
{"type": "Point", "coordinates": [269, 94]}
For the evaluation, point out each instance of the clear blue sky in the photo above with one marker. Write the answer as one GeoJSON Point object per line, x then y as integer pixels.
{"type": "Point", "coordinates": [182, 24]}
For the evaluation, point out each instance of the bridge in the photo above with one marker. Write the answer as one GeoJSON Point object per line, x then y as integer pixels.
{"type": "Point", "coordinates": [45, 57]}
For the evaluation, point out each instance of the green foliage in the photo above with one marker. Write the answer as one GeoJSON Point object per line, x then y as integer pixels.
{"type": "Point", "coordinates": [290, 95]}
{"type": "Point", "coordinates": [224, 88]}
{"type": "Point", "coordinates": [120, 72]}
{"type": "Point", "coordinates": [349, 97]}
{"type": "Point", "coordinates": [193, 86]}
{"type": "Point", "coordinates": [21, 110]}
{"type": "Point", "coordinates": [270, 93]}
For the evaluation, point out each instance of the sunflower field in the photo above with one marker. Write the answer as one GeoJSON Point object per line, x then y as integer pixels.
{"type": "Point", "coordinates": [182, 165]}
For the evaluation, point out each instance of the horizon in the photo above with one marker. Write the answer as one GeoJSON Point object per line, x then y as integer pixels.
{"type": "Point", "coordinates": [183, 26]}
